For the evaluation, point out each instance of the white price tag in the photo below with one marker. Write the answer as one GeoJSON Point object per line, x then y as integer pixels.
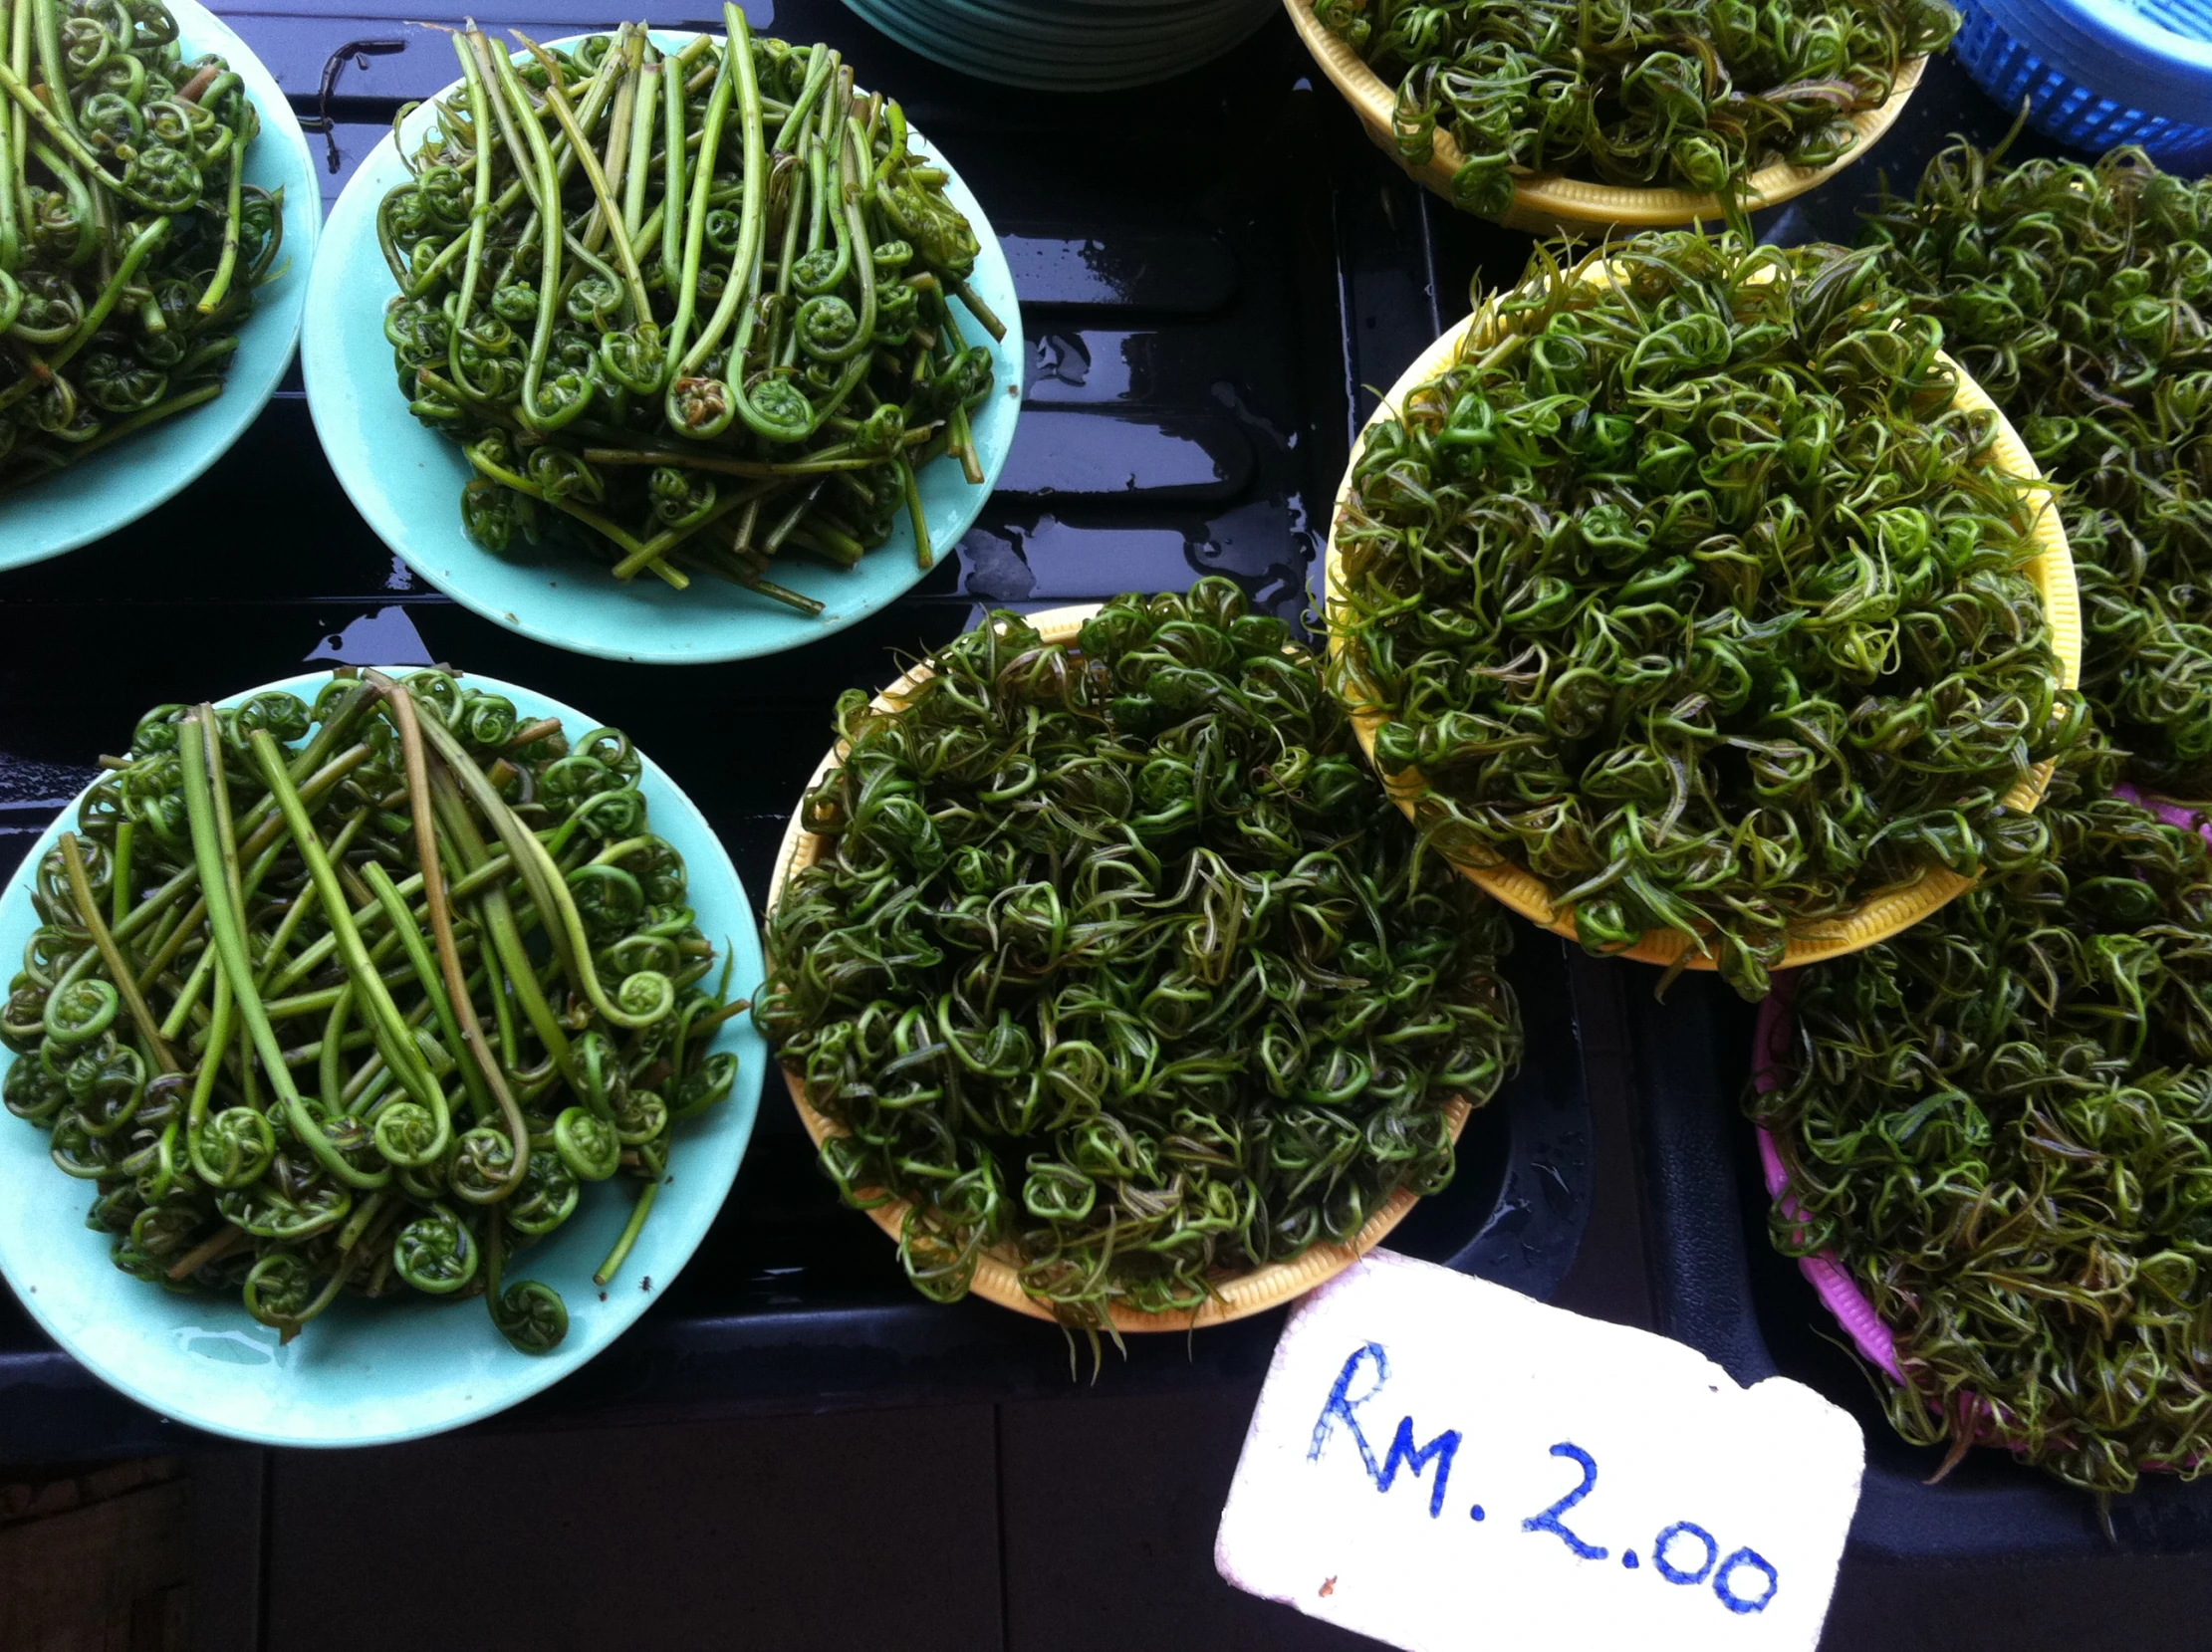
{"type": "Point", "coordinates": [1444, 1463]}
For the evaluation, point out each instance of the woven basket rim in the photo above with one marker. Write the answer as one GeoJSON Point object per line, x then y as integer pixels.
{"type": "Point", "coordinates": [1237, 1296]}
{"type": "Point", "coordinates": [1550, 200]}
{"type": "Point", "coordinates": [1837, 1289]}
{"type": "Point", "coordinates": [1883, 912]}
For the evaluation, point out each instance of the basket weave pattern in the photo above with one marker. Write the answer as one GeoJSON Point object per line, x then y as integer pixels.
{"type": "Point", "coordinates": [1885, 911]}
{"type": "Point", "coordinates": [1550, 203]}
{"type": "Point", "coordinates": [997, 1276]}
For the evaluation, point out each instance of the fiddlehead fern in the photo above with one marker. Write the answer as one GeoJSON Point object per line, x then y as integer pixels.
{"type": "Point", "coordinates": [1116, 960]}
{"type": "Point", "coordinates": [131, 244]}
{"type": "Point", "coordinates": [1680, 592]}
{"type": "Point", "coordinates": [1691, 98]}
{"type": "Point", "coordinates": [2076, 294]}
{"type": "Point", "coordinates": [328, 1088]}
{"type": "Point", "coordinates": [761, 271]}
{"type": "Point", "coordinates": [2000, 1122]}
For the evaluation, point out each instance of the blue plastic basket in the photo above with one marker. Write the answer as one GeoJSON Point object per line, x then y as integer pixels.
{"type": "Point", "coordinates": [2101, 73]}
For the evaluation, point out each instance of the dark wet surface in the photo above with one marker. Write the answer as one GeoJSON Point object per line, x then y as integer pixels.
{"type": "Point", "coordinates": [1209, 272]}
{"type": "Point", "coordinates": [1214, 276]}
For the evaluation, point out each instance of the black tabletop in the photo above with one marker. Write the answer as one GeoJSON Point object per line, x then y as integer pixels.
{"type": "Point", "coordinates": [1214, 274]}
{"type": "Point", "coordinates": [1209, 273]}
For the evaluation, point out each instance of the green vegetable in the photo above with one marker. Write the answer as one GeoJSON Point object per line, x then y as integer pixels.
{"type": "Point", "coordinates": [1695, 596]}
{"type": "Point", "coordinates": [2076, 295]}
{"type": "Point", "coordinates": [690, 308]}
{"type": "Point", "coordinates": [351, 997]}
{"type": "Point", "coordinates": [1118, 960]}
{"type": "Point", "coordinates": [2001, 1120]}
{"type": "Point", "coordinates": [1692, 97]}
{"type": "Point", "coordinates": [131, 243]}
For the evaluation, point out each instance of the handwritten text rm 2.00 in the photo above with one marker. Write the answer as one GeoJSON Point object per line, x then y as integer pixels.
{"type": "Point", "coordinates": [1683, 1554]}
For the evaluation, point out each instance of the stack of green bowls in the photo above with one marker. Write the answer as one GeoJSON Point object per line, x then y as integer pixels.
{"type": "Point", "coordinates": [1068, 45]}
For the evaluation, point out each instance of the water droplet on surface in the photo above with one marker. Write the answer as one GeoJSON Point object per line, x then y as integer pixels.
{"type": "Point", "coordinates": [260, 1346]}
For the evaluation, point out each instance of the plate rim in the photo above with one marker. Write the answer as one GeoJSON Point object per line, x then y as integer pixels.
{"type": "Point", "coordinates": [278, 120]}
{"type": "Point", "coordinates": [542, 1371]}
{"type": "Point", "coordinates": [321, 363]}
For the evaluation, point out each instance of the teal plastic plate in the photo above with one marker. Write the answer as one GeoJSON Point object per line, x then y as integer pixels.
{"type": "Point", "coordinates": [1090, 48]}
{"type": "Point", "coordinates": [406, 480]}
{"type": "Point", "coordinates": [368, 1373]}
{"type": "Point", "coordinates": [115, 488]}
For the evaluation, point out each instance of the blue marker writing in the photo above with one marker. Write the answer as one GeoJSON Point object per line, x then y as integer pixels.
{"type": "Point", "coordinates": [1724, 1587]}
{"type": "Point", "coordinates": [1404, 1452]}
{"type": "Point", "coordinates": [1341, 1405]}
{"type": "Point", "coordinates": [1665, 1547]}
{"type": "Point", "coordinates": [1549, 1520]}
{"type": "Point", "coordinates": [1442, 1449]}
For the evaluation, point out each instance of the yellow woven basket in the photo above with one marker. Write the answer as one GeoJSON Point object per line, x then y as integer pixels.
{"type": "Point", "coordinates": [996, 1278]}
{"type": "Point", "coordinates": [1550, 203]}
{"type": "Point", "coordinates": [1885, 911]}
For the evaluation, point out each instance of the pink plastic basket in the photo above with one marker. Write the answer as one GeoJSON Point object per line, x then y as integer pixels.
{"type": "Point", "coordinates": [1844, 1298]}
{"type": "Point", "coordinates": [1770, 1043]}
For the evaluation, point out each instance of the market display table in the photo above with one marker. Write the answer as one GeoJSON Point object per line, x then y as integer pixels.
{"type": "Point", "coordinates": [1213, 277]}
{"type": "Point", "coordinates": [1209, 274]}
